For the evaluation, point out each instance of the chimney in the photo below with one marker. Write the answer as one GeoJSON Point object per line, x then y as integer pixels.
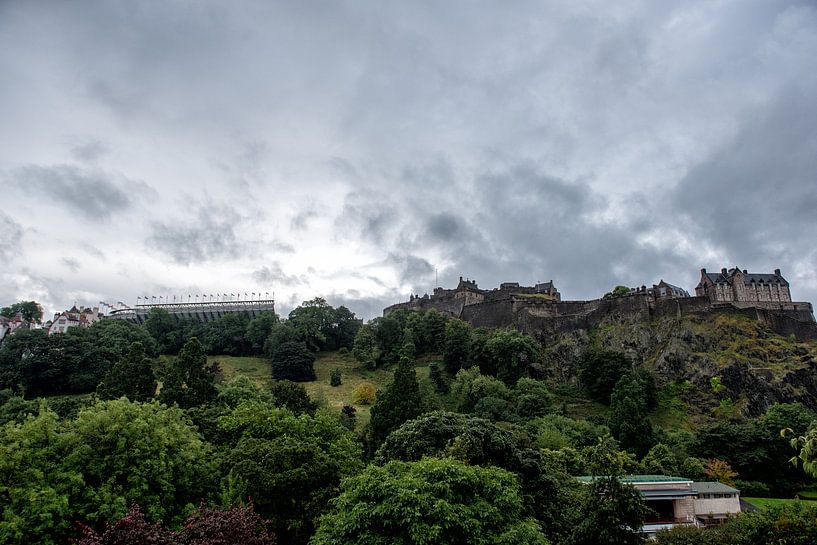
{"type": "Point", "coordinates": [703, 272]}
{"type": "Point", "coordinates": [745, 271]}
{"type": "Point", "coordinates": [723, 271]}
{"type": "Point", "coordinates": [777, 272]}
{"type": "Point", "coordinates": [460, 278]}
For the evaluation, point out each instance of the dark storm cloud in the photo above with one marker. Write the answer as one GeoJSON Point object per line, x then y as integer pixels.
{"type": "Point", "coordinates": [273, 275]}
{"type": "Point", "coordinates": [756, 197]}
{"type": "Point", "coordinates": [95, 194]}
{"type": "Point", "coordinates": [210, 235]}
{"type": "Point", "coordinates": [444, 227]}
{"type": "Point", "coordinates": [11, 233]}
{"type": "Point", "coordinates": [411, 268]}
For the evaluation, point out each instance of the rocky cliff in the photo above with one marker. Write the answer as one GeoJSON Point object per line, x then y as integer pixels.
{"type": "Point", "coordinates": [752, 366]}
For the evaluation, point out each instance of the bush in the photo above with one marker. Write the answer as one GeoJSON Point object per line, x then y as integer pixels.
{"type": "Point", "coordinates": [293, 361]}
{"type": "Point", "coordinates": [363, 394]}
{"type": "Point", "coordinates": [335, 377]}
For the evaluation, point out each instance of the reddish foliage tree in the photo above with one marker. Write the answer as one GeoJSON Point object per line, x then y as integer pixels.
{"type": "Point", "coordinates": [132, 529]}
{"type": "Point", "coordinates": [237, 526]}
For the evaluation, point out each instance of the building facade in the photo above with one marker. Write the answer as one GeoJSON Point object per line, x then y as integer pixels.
{"type": "Point", "coordinates": [74, 317]}
{"type": "Point", "coordinates": [736, 286]}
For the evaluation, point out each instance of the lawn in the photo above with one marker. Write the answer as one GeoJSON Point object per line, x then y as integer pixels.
{"type": "Point", "coordinates": [352, 374]}
{"type": "Point", "coordinates": [765, 503]}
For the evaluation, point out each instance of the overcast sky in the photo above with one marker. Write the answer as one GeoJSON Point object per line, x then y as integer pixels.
{"type": "Point", "coordinates": [347, 149]}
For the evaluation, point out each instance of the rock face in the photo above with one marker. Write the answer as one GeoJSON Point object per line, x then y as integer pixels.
{"type": "Point", "coordinates": [753, 367]}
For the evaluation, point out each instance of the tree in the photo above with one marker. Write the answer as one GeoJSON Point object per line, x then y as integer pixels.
{"type": "Point", "coordinates": [510, 354]}
{"type": "Point", "coordinates": [226, 335]}
{"type": "Point", "coordinates": [628, 421]}
{"type": "Point", "coordinates": [429, 502]}
{"type": "Point", "coordinates": [545, 489]}
{"type": "Point", "coordinates": [280, 333]}
{"type": "Point", "coordinates": [532, 398]}
{"type": "Point", "coordinates": [398, 402]}
{"type": "Point", "coordinates": [31, 311]}
{"type": "Point", "coordinates": [136, 452]}
{"type": "Point", "coordinates": [335, 377]}
{"type": "Point", "coordinates": [618, 291]}
{"type": "Point", "coordinates": [258, 329]}
{"type": "Point", "coordinates": [164, 329]}
{"type": "Point", "coordinates": [313, 319]}
{"type": "Point", "coordinates": [441, 382]}
{"type": "Point", "coordinates": [363, 394]}
{"type": "Point", "coordinates": [239, 525]}
{"type": "Point", "coordinates": [131, 377]}
{"type": "Point", "coordinates": [293, 361]}
{"type": "Point", "coordinates": [720, 470]}
{"type": "Point", "coordinates": [290, 466]}
{"type": "Point", "coordinates": [389, 334]}
{"type": "Point", "coordinates": [660, 460]}
{"type": "Point", "coordinates": [457, 346]}
{"type": "Point", "coordinates": [189, 381]}
{"type": "Point", "coordinates": [365, 347]}
{"type": "Point", "coordinates": [806, 444]}
{"type": "Point", "coordinates": [600, 370]}
{"type": "Point", "coordinates": [469, 387]}
{"type": "Point", "coordinates": [35, 486]}
{"type": "Point", "coordinates": [292, 396]}
{"type": "Point", "coordinates": [612, 514]}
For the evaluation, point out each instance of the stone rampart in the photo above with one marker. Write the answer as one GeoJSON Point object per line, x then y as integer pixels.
{"type": "Point", "coordinates": [538, 316]}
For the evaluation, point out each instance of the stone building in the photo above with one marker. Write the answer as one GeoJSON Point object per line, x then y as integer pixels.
{"type": "Point", "coordinates": [735, 285]}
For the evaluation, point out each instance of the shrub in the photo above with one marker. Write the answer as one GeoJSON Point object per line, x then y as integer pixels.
{"type": "Point", "coordinates": [363, 394]}
{"type": "Point", "coordinates": [335, 377]}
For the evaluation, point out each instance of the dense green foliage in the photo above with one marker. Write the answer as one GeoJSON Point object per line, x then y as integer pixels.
{"type": "Point", "coordinates": [793, 524]}
{"type": "Point", "coordinates": [397, 403]}
{"type": "Point", "coordinates": [73, 362]}
{"type": "Point", "coordinates": [31, 311]}
{"type": "Point", "coordinates": [290, 466]}
{"type": "Point", "coordinates": [484, 448]}
{"type": "Point", "coordinates": [628, 415]}
{"type": "Point", "coordinates": [91, 468]}
{"type": "Point", "coordinates": [189, 380]}
{"type": "Point", "coordinates": [429, 502]}
{"type": "Point", "coordinates": [132, 377]}
{"type": "Point", "coordinates": [600, 370]}
{"type": "Point", "coordinates": [293, 361]}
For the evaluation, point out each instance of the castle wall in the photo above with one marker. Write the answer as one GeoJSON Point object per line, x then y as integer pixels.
{"type": "Point", "coordinates": [492, 314]}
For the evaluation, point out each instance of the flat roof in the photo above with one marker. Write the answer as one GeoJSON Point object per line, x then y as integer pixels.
{"type": "Point", "coordinates": [711, 487]}
{"type": "Point", "coordinates": [633, 479]}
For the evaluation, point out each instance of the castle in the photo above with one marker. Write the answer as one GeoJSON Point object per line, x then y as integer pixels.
{"type": "Point", "coordinates": [540, 308]}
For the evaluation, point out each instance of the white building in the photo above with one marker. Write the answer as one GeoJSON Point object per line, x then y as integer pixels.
{"type": "Point", "coordinates": [75, 317]}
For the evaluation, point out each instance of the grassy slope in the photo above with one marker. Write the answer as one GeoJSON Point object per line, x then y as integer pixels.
{"type": "Point", "coordinates": [353, 373]}
{"type": "Point", "coordinates": [765, 503]}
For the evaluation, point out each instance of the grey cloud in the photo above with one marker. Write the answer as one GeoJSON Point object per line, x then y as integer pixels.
{"type": "Point", "coordinates": [445, 227]}
{"type": "Point", "coordinates": [210, 235]}
{"type": "Point", "coordinates": [273, 275]}
{"type": "Point", "coordinates": [367, 214]}
{"type": "Point", "coordinates": [72, 264]}
{"type": "Point", "coordinates": [95, 194]}
{"type": "Point", "coordinates": [89, 151]}
{"type": "Point", "coordinates": [411, 268]}
{"type": "Point", "coordinates": [10, 241]}
{"type": "Point", "coordinates": [756, 198]}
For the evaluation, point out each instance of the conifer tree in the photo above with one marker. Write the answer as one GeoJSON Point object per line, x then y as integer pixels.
{"type": "Point", "coordinates": [398, 403]}
{"type": "Point", "coordinates": [132, 377]}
